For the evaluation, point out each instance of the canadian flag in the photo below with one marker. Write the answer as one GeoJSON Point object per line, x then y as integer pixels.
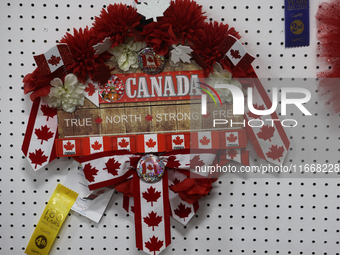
{"type": "Point", "coordinates": [54, 58]}
{"type": "Point", "coordinates": [236, 53]}
{"type": "Point", "coordinates": [38, 145]}
{"type": "Point", "coordinates": [238, 155]}
{"type": "Point", "coordinates": [150, 143]}
{"type": "Point", "coordinates": [124, 143]}
{"type": "Point", "coordinates": [69, 147]}
{"type": "Point", "coordinates": [96, 144]}
{"type": "Point", "coordinates": [205, 140]}
{"type": "Point", "coordinates": [177, 141]}
{"type": "Point", "coordinates": [233, 139]}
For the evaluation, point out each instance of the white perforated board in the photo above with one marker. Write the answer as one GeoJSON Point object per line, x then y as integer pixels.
{"type": "Point", "coordinates": [244, 213]}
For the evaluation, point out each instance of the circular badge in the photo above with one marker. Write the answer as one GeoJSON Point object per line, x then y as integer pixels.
{"type": "Point", "coordinates": [113, 90]}
{"type": "Point", "coordinates": [297, 27]}
{"type": "Point", "coordinates": [149, 62]}
{"type": "Point", "coordinates": [150, 168]}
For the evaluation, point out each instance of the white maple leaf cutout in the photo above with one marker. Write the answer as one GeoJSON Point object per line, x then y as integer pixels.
{"type": "Point", "coordinates": [102, 47]}
{"type": "Point", "coordinates": [152, 8]}
{"type": "Point", "coordinates": [180, 52]}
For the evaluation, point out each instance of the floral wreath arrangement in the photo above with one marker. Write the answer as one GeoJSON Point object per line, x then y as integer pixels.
{"type": "Point", "coordinates": [155, 172]}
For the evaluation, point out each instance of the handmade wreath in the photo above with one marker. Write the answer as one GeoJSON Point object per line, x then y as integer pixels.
{"type": "Point", "coordinates": [157, 172]}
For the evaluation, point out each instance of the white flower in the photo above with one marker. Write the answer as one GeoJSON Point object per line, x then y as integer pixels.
{"type": "Point", "coordinates": [222, 76]}
{"type": "Point", "coordinates": [67, 95]}
{"type": "Point", "coordinates": [126, 53]}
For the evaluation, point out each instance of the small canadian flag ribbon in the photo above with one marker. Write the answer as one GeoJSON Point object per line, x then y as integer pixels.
{"type": "Point", "coordinates": [39, 141]}
{"type": "Point", "coordinates": [69, 147]}
{"type": "Point", "coordinates": [238, 155]}
{"type": "Point", "coordinates": [235, 52]}
{"type": "Point", "coordinates": [150, 143]}
{"type": "Point", "coordinates": [54, 58]}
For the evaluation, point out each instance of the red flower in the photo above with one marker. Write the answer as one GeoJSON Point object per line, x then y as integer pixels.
{"type": "Point", "coordinates": [207, 44]}
{"type": "Point", "coordinates": [115, 23]}
{"type": "Point", "coordinates": [86, 61]}
{"type": "Point", "coordinates": [186, 18]}
{"type": "Point", "coordinates": [191, 190]}
{"type": "Point", "coordinates": [39, 84]}
{"type": "Point", "coordinates": [159, 35]}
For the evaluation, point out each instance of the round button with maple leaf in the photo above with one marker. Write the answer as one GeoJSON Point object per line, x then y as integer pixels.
{"type": "Point", "coordinates": [150, 168]}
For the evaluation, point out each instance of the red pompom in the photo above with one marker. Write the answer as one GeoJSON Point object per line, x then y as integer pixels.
{"type": "Point", "coordinates": [39, 84]}
{"type": "Point", "coordinates": [159, 35]}
{"type": "Point", "coordinates": [86, 61]}
{"type": "Point", "coordinates": [208, 42]}
{"type": "Point", "coordinates": [186, 18]}
{"type": "Point", "coordinates": [328, 23]}
{"type": "Point", "coordinates": [115, 23]}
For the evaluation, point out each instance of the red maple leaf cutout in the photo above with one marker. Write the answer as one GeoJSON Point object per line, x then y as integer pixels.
{"type": "Point", "coordinates": [172, 162]}
{"type": "Point", "coordinates": [69, 146]}
{"type": "Point", "coordinates": [252, 115]}
{"type": "Point", "coordinates": [90, 89]}
{"type": "Point", "coordinates": [98, 120]}
{"type": "Point", "coordinates": [235, 53]}
{"type": "Point", "coordinates": [111, 166]}
{"type": "Point", "coordinates": [204, 140]}
{"type": "Point", "coordinates": [43, 133]}
{"type": "Point", "coordinates": [275, 152]}
{"type": "Point", "coordinates": [176, 181]}
{"type": "Point", "coordinates": [177, 140]}
{"type": "Point", "coordinates": [90, 172]}
{"type": "Point", "coordinates": [182, 211]}
{"type": "Point", "coordinates": [151, 143]}
{"type": "Point", "coordinates": [148, 117]}
{"type": "Point", "coordinates": [123, 143]}
{"type": "Point", "coordinates": [232, 138]}
{"type": "Point", "coordinates": [196, 161]}
{"type": "Point", "coordinates": [48, 111]}
{"type": "Point", "coordinates": [152, 220]}
{"type": "Point", "coordinates": [266, 132]}
{"type": "Point", "coordinates": [151, 195]}
{"type": "Point", "coordinates": [232, 153]}
{"type": "Point", "coordinates": [154, 244]}
{"type": "Point", "coordinates": [102, 74]}
{"type": "Point", "coordinates": [96, 146]}
{"type": "Point", "coordinates": [37, 157]}
{"type": "Point", "coordinates": [54, 61]}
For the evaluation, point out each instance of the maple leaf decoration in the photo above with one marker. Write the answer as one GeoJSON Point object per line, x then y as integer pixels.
{"type": "Point", "coordinates": [148, 117]}
{"type": "Point", "coordinates": [48, 111]}
{"type": "Point", "coordinates": [232, 153]}
{"type": "Point", "coordinates": [254, 116]}
{"type": "Point", "coordinates": [172, 162]}
{"type": "Point", "coordinates": [69, 146]}
{"type": "Point", "coordinates": [235, 54]}
{"type": "Point", "coordinates": [152, 220]}
{"type": "Point", "coordinates": [43, 133]}
{"type": "Point", "coordinates": [175, 182]}
{"type": "Point", "coordinates": [123, 143]}
{"type": "Point", "coordinates": [151, 195]}
{"type": "Point", "coordinates": [37, 157]}
{"type": "Point", "coordinates": [111, 166]}
{"type": "Point", "coordinates": [152, 8]}
{"type": "Point", "coordinates": [177, 140]}
{"type": "Point", "coordinates": [90, 172]}
{"type": "Point", "coordinates": [182, 211]}
{"type": "Point", "coordinates": [196, 161]}
{"type": "Point", "coordinates": [232, 138]}
{"type": "Point", "coordinates": [54, 61]}
{"type": "Point", "coordinates": [266, 132]}
{"type": "Point", "coordinates": [154, 244]}
{"type": "Point", "coordinates": [275, 152]}
{"type": "Point", "coordinates": [150, 143]}
{"type": "Point", "coordinates": [204, 140]}
{"type": "Point", "coordinates": [96, 146]}
{"type": "Point", "coordinates": [90, 89]}
{"type": "Point", "coordinates": [98, 120]}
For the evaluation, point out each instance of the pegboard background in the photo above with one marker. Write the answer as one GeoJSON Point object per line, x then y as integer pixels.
{"type": "Point", "coordinates": [244, 213]}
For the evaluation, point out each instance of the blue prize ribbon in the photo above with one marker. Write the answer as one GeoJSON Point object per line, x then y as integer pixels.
{"type": "Point", "coordinates": [296, 23]}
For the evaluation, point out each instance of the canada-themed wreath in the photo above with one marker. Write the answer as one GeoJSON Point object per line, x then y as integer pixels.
{"type": "Point", "coordinates": [156, 183]}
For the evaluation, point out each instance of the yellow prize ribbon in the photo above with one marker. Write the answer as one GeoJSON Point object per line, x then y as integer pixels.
{"type": "Point", "coordinates": [51, 220]}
